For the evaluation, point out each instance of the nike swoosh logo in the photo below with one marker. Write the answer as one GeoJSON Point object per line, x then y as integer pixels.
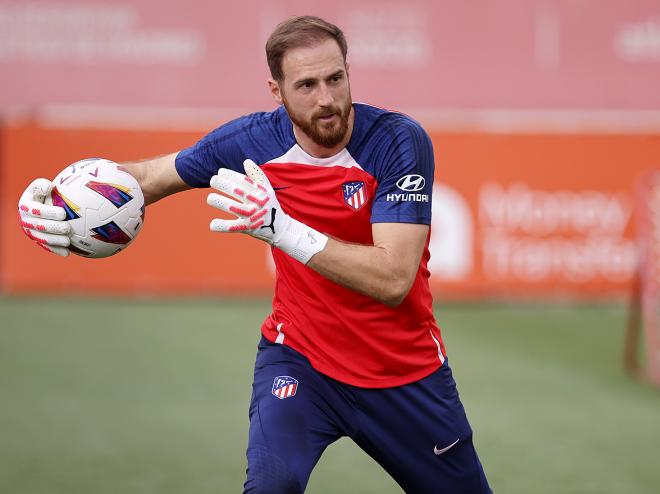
{"type": "Point", "coordinates": [444, 450]}
{"type": "Point", "coordinates": [280, 188]}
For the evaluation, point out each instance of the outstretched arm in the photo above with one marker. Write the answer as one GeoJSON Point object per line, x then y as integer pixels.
{"type": "Point", "coordinates": [157, 177]}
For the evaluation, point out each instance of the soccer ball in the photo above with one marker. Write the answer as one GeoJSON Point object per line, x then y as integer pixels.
{"type": "Point", "coordinates": [104, 205]}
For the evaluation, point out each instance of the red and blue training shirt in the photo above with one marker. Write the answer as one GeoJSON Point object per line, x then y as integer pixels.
{"type": "Point", "coordinates": [384, 175]}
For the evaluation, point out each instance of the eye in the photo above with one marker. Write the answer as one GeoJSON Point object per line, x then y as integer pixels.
{"type": "Point", "coordinates": [305, 86]}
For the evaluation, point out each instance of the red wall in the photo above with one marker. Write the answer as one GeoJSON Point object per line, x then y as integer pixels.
{"type": "Point", "coordinates": [515, 215]}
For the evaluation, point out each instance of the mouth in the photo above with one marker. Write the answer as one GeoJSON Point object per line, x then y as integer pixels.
{"type": "Point", "coordinates": [326, 118]}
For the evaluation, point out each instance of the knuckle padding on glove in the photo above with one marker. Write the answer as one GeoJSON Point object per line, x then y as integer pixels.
{"type": "Point", "coordinates": [260, 214]}
{"type": "Point", "coordinates": [228, 205]}
{"type": "Point", "coordinates": [260, 202]}
{"type": "Point", "coordinates": [48, 226]}
{"type": "Point", "coordinates": [39, 210]}
{"type": "Point", "coordinates": [240, 211]}
{"type": "Point", "coordinates": [49, 238]}
{"type": "Point", "coordinates": [238, 225]}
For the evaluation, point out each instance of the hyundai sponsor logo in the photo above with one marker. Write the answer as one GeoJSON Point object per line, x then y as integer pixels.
{"type": "Point", "coordinates": [411, 183]}
{"type": "Point", "coordinates": [408, 197]}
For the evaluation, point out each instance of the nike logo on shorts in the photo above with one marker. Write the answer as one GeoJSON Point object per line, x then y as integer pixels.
{"type": "Point", "coordinates": [445, 449]}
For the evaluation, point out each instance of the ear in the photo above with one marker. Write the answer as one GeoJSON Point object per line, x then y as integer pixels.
{"type": "Point", "coordinates": [275, 91]}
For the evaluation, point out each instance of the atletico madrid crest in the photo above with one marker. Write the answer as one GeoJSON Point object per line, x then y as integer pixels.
{"type": "Point", "coordinates": [355, 194]}
{"type": "Point", "coordinates": [284, 387]}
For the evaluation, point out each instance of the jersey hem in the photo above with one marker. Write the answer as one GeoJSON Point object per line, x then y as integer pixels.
{"type": "Point", "coordinates": [387, 383]}
{"type": "Point", "coordinates": [366, 383]}
{"type": "Point", "coordinates": [401, 219]}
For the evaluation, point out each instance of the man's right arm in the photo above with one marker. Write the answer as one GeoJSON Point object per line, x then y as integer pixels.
{"type": "Point", "coordinates": [157, 177]}
{"type": "Point", "coordinates": [45, 224]}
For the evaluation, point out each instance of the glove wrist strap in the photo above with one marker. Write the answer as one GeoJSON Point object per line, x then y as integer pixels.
{"type": "Point", "coordinates": [300, 241]}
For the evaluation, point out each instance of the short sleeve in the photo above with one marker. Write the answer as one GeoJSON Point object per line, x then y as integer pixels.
{"type": "Point", "coordinates": [258, 136]}
{"type": "Point", "coordinates": [218, 149]}
{"type": "Point", "coordinates": [405, 176]}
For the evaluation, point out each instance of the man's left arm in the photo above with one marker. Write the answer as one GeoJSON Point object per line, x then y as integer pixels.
{"type": "Point", "coordinates": [384, 271]}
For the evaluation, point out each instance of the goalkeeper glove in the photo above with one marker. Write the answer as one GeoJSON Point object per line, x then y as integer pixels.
{"type": "Point", "coordinates": [259, 214]}
{"type": "Point", "coordinates": [43, 223]}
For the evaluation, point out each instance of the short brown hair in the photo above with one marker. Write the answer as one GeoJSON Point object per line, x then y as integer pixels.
{"type": "Point", "coordinates": [296, 32]}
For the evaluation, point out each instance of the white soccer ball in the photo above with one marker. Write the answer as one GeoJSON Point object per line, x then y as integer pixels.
{"type": "Point", "coordinates": [104, 205]}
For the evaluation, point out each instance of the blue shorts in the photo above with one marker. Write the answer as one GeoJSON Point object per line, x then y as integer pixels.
{"type": "Point", "coordinates": [417, 432]}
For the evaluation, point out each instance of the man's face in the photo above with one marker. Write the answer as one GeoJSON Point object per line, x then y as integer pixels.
{"type": "Point", "coordinates": [315, 92]}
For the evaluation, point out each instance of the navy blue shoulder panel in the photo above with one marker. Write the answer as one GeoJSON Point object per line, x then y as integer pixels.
{"type": "Point", "coordinates": [391, 146]}
{"type": "Point", "coordinates": [260, 137]}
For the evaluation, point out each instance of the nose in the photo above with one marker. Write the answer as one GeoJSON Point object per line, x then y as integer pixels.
{"type": "Point", "coordinates": [324, 96]}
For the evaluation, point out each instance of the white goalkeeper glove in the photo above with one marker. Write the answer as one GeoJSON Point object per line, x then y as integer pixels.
{"type": "Point", "coordinates": [259, 214]}
{"type": "Point", "coordinates": [43, 223]}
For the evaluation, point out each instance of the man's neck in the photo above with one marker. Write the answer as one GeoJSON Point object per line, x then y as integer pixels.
{"type": "Point", "coordinates": [318, 151]}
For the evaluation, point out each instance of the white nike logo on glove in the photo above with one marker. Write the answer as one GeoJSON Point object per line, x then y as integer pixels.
{"type": "Point", "coordinates": [444, 450]}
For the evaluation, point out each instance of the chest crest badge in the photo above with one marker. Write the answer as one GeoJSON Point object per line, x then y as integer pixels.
{"type": "Point", "coordinates": [355, 194]}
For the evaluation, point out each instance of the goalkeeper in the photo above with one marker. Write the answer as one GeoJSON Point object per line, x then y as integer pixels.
{"type": "Point", "coordinates": [342, 192]}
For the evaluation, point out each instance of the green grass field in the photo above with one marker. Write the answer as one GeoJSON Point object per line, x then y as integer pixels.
{"type": "Point", "coordinates": [115, 396]}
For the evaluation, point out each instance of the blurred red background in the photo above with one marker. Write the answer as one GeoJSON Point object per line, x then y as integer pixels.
{"type": "Point", "coordinates": [542, 114]}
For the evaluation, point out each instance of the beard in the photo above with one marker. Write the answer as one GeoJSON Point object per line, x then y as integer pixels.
{"type": "Point", "coordinates": [324, 134]}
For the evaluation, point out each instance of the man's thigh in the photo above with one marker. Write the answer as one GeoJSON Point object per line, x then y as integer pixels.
{"type": "Point", "coordinates": [292, 421]}
{"type": "Point", "coordinates": [420, 434]}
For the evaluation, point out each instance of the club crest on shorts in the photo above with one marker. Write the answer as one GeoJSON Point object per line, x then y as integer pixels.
{"type": "Point", "coordinates": [284, 387]}
{"type": "Point", "coordinates": [355, 194]}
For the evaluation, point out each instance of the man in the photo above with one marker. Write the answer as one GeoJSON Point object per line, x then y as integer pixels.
{"type": "Point", "coordinates": [342, 192]}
